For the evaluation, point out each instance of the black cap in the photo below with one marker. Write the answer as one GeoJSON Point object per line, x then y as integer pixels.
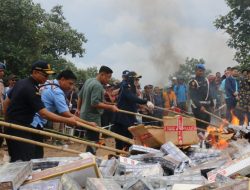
{"type": "Point", "coordinates": [2, 66]}
{"type": "Point", "coordinates": [42, 66]}
{"type": "Point", "coordinates": [125, 73]}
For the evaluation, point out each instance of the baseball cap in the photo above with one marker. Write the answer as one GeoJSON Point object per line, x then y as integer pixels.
{"type": "Point", "coordinates": [133, 74]}
{"type": "Point", "coordinates": [2, 66]}
{"type": "Point", "coordinates": [11, 77]}
{"type": "Point", "coordinates": [42, 66]}
{"type": "Point", "coordinates": [200, 66]}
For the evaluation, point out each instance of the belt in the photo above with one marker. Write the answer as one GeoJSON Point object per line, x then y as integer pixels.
{"type": "Point", "coordinates": [205, 102]}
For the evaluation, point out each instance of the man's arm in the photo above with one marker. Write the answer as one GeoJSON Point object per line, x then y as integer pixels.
{"type": "Point", "coordinates": [56, 118]}
{"type": "Point", "coordinates": [102, 105]}
{"type": "Point", "coordinates": [79, 105]}
{"type": "Point", "coordinates": [68, 114]}
{"type": "Point", "coordinates": [6, 104]}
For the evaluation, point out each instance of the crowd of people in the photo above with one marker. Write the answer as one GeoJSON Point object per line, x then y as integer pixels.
{"type": "Point", "coordinates": [33, 101]}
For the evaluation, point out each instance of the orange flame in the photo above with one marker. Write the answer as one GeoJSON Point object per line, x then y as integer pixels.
{"type": "Point", "coordinates": [215, 137]}
{"type": "Point", "coordinates": [235, 120]}
{"type": "Point", "coordinates": [246, 121]}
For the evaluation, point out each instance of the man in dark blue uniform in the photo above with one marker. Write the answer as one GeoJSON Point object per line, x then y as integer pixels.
{"type": "Point", "coordinates": [127, 100]}
{"type": "Point", "coordinates": [23, 101]}
{"type": "Point", "coordinates": [200, 96]}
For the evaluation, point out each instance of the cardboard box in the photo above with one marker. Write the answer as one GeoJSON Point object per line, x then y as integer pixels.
{"type": "Point", "coordinates": [54, 184]}
{"type": "Point", "coordinates": [12, 175]}
{"type": "Point", "coordinates": [110, 142]}
{"type": "Point", "coordinates": [180, 130]}
{"type": "Point", "coordinates": [151, 136]}
{"type": "Point", "coordinates": [232, 167]}
{"type": "Point", "coordinates": [79, 170]}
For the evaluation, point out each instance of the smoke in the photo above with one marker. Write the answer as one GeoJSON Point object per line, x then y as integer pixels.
{"type": "Point", "coordinates": [170, 35]}
{"type": "Point", "coordinates": [150, 37]}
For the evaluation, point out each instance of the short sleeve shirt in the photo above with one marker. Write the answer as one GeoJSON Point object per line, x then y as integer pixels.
{"type": "Point", "coordinates": [91, 94]}
{"type": "Point", "coordinates": [25, 101]}
{"type": "Point", "coordinates": [54, 100]}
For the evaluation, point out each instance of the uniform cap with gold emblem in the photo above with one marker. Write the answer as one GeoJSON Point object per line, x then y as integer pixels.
{"type": "Point", "coordinates": [42, 66]}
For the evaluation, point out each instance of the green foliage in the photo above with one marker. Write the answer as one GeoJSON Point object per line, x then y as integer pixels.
{"type": "Point", "coordinates": [187, 70]}
{"type": "Point", "coordinates": [92, 72]}
{"type": "Point", "coordinates": [28, 33]}
{"type": "Point", "coordinates": [237, 24]}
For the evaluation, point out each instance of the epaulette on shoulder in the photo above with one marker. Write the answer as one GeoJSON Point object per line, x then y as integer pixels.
{"type": "Point", "coordinates": [193, 83]}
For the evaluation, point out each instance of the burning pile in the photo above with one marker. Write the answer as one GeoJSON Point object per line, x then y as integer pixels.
{"type": "Point", "coordinates": [145, 168]}
{"type": "Point", "coordinates": [224, 165]}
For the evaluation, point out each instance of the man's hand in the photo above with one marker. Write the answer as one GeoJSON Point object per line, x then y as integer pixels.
{"type": "Point", "coordinates": [77, 113]}
{"type": "Point", "coordinates": [150, 105]}
{"type": "Point", "coordinates": [203, 109]}
{"type": "Point", "coordinates": [235, 93]}
{"type": "Point", "coordinates": [71, 121]}
{"type": "Point", "coordinates": [114, 108]}
{"type": "Point", "coordinates": [92, 124]}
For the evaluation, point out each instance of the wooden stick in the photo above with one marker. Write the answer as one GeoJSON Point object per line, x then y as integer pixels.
{"type": "Point", "coordinates": [19, 127]}
{"type": "Point", "coordinates": [157, 119]}
{"type": "Point", "coordinates": [185, 115]}
{"type": "Point", "coordinates": [15, 138]}
{"type": "Point", "coordinates": [217, 117]}
{"type": "Point", "coordinates": [142, 115]}
{"type": "Point", "coordinates": [106, 132]}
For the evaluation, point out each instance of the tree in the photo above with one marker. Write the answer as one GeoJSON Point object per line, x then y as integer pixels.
{"type": "Point", "coordinates": [187, 70]}
{"type": "Point", "coordinates": [28, 33]}
{"type": "Point", "coordinates": [237, 24]}
{"type": "Point", "coordinates": [92, 72]}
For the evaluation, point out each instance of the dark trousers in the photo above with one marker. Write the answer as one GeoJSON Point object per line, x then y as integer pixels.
{"type": "Point", "coordinates": [231, 104]}
{"type": "Point", "coordinates": [122, 130]}
{"type": "Point", "coordinates": [24, 151]}
{"type": "Point", "coordinates": [1, 139]}
{"type": "Point", "coordinates": [203, 116]}
{"type": "Point", "coordinates": [182, 106]}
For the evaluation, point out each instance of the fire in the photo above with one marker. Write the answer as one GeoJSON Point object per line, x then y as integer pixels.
{"type": "Point", "coordinates": [215, 137]}
{"type": "Point", "coordinates": [235, 120]}
{"type": "Point", "coordinates": [246, 121]}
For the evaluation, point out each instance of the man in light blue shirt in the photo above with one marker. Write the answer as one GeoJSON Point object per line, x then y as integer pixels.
{"type": "Point", "coordinates": [54, 99]}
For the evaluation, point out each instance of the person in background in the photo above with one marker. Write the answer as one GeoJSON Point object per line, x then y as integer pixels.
{"type": "Point", "coordinates": [169, 98]}
{"type": "Point", "coordinates": [181, 94]}
{"type": "Point", "coordinates": [148, 96]}
{"type": "Point", "coordinates": [200, 96]}
{"type": "Point", "coordinates": [128, 101]}
{"type": "Point", "coordinates": [213, 89]}
{"type": "Point", "coordinates": [174, 82]}
{"type": "Point", "coordinates": [232, 92]}
{"type": "Point", "coordinates": [12, 79]}
{"type": "Point", "coordinates": [2, 91]}
{"type": "Point", "coordinates": [158, 101]}
{"type": "Point", "coordinates": [228, 73]}
{"type": "Point", "coordinates": [107, 116]}
{"type": "Point", "coordinates": [244, 98]}
{"type": "Point", "coordinates": [2, 95]}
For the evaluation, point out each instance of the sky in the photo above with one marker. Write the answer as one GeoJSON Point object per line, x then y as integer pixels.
{"type": "Point", "coordinates": [150, 37]}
